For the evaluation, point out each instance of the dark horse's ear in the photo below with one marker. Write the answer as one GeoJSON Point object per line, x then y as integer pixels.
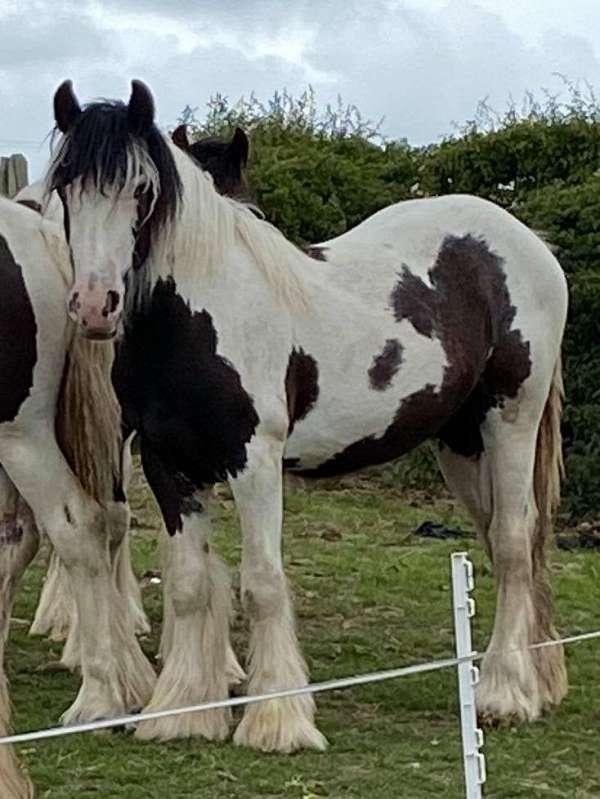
{"type": "Point", "coordinates": [239, 147]}
{"type": "Point", "coordinates": [180, 138]}
{"type": "Point", "coordinates": [66, 106]}
{"type": "Point", "coordinates": [140, 110]}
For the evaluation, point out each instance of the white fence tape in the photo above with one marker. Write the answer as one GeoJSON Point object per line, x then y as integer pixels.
{"type": "Point", "coordinates": [472, 737]}
{"type": "Point", "coordinates": [314, 688]}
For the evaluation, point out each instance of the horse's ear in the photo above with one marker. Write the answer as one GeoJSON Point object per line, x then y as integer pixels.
{"type": "Point", "coordinates": [140, 110]}
{"type": "Point", "coordinates": [239, 147]}
{"type": "Point", "coordinates": [180, 138]}
{"type": "Point", "coordinates": [66, 106]}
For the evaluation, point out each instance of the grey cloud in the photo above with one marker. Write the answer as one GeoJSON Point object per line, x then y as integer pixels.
{"type": "Point", "coordinates": [50, 37]}
{"type": "Point", "coordinates": [419, 68]}
{"type": "Point", "coordinates": [424, 70]}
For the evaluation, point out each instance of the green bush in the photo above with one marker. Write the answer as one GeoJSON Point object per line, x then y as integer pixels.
{"type": "Point", "coordinates": [314, 177]}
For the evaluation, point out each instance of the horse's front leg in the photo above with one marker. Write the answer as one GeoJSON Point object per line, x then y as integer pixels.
{"type": "Point", "coordinates": [198, 594]}
{"type": "Point", "coordinates": [275, 661]}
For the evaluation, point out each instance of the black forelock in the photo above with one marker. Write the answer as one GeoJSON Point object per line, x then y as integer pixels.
{"type": "Point", "coordinates": [97, 147]}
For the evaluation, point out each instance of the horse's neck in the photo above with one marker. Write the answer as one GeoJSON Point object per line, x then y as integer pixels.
{"type": "Point", "coordinates": [215, 246]}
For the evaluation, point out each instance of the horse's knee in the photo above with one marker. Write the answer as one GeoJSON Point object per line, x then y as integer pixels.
{"type": "Point", "coordinates": [78, 533]}
{"type": "Point", "coordinates": [264, 593]}
{"type": "Point", "coordinates": [118, 517]}
{"type": "Point", "coordinates": [510, 543]}
{"type": "Point", "coordinates": [189, 590]}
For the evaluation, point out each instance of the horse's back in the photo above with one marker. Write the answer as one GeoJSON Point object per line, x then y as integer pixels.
{"type": "Point", "coordinates": [412, 232]}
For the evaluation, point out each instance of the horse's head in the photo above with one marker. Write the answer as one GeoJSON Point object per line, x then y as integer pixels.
{"type": "Point", "coordinates": [224, 160]}
{"type": "Point", "coordinates": [119, 186]}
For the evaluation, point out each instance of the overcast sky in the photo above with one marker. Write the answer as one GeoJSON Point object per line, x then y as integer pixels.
{"type": "Point", "coordinates": [421, 63]}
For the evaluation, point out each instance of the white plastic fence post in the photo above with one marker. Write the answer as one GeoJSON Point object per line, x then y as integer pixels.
{"type": "Point", "coordinates": [468, 675]}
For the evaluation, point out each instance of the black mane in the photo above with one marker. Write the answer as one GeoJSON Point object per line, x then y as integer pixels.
{"type": "Point", "coordinates": [97, 148]}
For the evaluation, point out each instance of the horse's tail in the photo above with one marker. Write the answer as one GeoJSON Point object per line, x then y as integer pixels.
{"type": "Point", "coordinates": [88, 418]}
{"type": "Point", "coordinates": [549, 467]}
{"type": "Point", "coordinates": [548, 472]}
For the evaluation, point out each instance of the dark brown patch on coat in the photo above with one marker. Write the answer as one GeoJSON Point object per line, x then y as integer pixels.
{"type": "Point", "coordinates": [468, 308]}
{"type": "Point", "coordinates": [417, 419]}
{"type": "Point", "coordinates": [32, 204]}
{"type": "Point", "coordinates": [316, 252]}
{"type": "Point", "coordinates": [18, 329]}
{"type": "Point", "coordinates": [386, 365]}
{"type": "Point", "coordinates": [301, 385]}
{"type": "Point", "coordinates": [507, 369]}
{"type": "Point", "coordinates": [186, 401]}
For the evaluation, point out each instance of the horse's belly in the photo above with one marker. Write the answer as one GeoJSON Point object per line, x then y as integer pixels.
{"type": "Point", "coordinates": [372, 406]}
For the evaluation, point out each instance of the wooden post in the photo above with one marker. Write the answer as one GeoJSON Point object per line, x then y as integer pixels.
{"type": "Point", "coordinates": [13, 174]}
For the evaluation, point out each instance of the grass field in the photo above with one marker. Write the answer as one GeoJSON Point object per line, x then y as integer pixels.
{"type": "Point", "coordinates": [369, 595]}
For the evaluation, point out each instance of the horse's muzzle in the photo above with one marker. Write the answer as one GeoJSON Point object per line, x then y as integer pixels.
{"type": "Point", "coordinates": [96, 310]}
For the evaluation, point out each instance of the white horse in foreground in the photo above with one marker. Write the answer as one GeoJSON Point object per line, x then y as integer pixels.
{"type": "Point", "coordinates": [438, 318]}
{"type": "Point", "coordinates": [55, 396]}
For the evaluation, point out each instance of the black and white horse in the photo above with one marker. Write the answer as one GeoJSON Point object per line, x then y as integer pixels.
{"type": "Point", "coordinates": [55, 616]}
{"type": "Point", "coordinates": [62, 458]}
{"type": "Point", "coordinates": [434, 319]}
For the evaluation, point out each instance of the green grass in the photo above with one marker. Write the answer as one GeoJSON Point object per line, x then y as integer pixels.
{"type": "Point", "coordinates": [369, 595]}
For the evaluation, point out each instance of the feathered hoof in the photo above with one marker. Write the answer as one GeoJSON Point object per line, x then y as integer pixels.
{"type": "Point", "coordinates": [91, 705]}
{"type": "Point", "coordinates": [213, 725]}
{"type": "Point", "coordinates": [552, 675]}
{"type": "Point", "coordinates": [280, 725]}
{"type": "Point", "coordinates": [502, 701]}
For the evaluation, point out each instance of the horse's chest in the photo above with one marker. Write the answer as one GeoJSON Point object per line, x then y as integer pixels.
{"type": "Point", "coordinates": [186, 400]}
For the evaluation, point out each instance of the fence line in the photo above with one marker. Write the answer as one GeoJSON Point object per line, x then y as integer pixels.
{"type": "Point", "coordinates": [313, 688]}
{"type": "Point", "coordinates": [463, 583]}
{"type": "Point", "coordinates": [468, 676]}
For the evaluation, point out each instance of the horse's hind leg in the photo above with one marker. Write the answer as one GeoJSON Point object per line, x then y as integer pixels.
{"type": "Point", "coordinates": [468, 478]}
{"type": "Point", "coordinates": [116, 675]}
{"type": "Point", "coordinates": [516, 681]}
{"type": "Point", "coordinates": [18, 544]}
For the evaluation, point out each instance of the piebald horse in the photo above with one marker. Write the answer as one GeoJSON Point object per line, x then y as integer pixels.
{"type": "Point", "coordinates": [225, 161]}
{"type": "Point", "coordinates": [434, 319]}
{"type": "Point", "coordinates": [62, 457]}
